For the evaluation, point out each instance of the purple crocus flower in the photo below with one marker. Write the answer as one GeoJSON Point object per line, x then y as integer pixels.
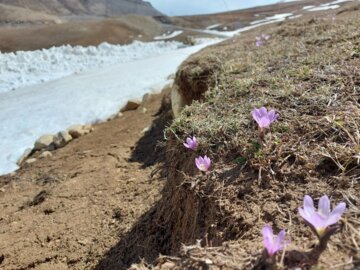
{"type": "Point", "coordinates": [323, 217]}
{"type": "Point", "coordinates": [258, 41]}
{"type": "Point", "coordinates": [191, 143]}
{"type": "Point", "coordinates": [271, 242]}
{"type": "Point", "coordinates": [203, 163]}
{"type": "Point", "coordinates": [263, 117]}
{"type": "Point", "coordinates": [265, 36]}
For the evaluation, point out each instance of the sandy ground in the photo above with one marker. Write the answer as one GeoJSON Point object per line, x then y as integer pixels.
{"type": "Point", "coordinates": [66, 211]}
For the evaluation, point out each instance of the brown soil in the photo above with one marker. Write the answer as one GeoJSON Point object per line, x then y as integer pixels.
{"type": "Point", "coordinates": [117, 31]}
{"type": "Point", "coordinates": [66, 211]}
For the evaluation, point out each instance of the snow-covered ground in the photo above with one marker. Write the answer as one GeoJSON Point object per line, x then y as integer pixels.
{"type": "Point", "coordinates": [327, 6]}
{"type": "Point", "coordinates": [87, 97]}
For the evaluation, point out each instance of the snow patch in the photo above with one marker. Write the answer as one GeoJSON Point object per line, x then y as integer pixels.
{"type": "Point", "coordinates": [323, 8]}
{"type": "Point", "coordinates": [213, 26]}
{"type": "Point", "coordinates": [327, 6]}
{"type": "Point", "coordinates": [254, 24]}
{"type": "Point", "coordinates": [295, 16]}
{"type": "Point", "coordinates": [169, 35]}
{"type": "Point", "coordinates": [275, 18]}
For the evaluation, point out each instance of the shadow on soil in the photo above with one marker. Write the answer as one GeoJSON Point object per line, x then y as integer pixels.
{"type": "Point", "coordinates": [146, 239]}
{"type": "Point", "coordinates": [142, 242]}
{"type": "Point", "coordinates": [149, 149]}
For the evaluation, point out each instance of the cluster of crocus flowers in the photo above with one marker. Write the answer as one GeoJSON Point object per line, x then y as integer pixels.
{"type": "Point", "coordinates": [260, 40]}
{"type": "Point", "coordinates": [264, 118]}
{"type": "Point", "coordinates": [271, 242]}
{"type": "Point", "coordinates": [321, 219]}
{"type": "Point", "coordinates": [202, 163]}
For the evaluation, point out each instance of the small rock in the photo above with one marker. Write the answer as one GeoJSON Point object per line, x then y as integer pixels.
{"type": "Point", "coordinates": [26, 153]}
{"type": "Point", "coordinates": [62, 138]}
{"type": "Point", "coordinates": [45, 141]}
{"type": "Point", "coordinates": [46, 154]}
{"type": "Point", "coordinates": [30, 160]}
{"type": "Point", "coordinates": [88, 128]}
{"type": "Point", "coordinates": [131, 105]}
{"type": "Point", "coordinates": [144, 110]}
{"type": "Point", "coordinates": [77, 131]}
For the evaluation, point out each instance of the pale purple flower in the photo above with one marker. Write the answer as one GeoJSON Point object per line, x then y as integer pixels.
{"type": "Point", "coordinates": [203, 163]}
{"type": "Point", "coordinates": [323, 217]}
{"type": "Point", "coordinates": [263, 117]}
{"type": "Point", "coordinates": [258, 41]}
{"type": "Point", "coordinates": [265, 36]}
{"type": "Point", "coordinates": [191, 143]}
{"type": "Point", "coordinates": [271, 242]}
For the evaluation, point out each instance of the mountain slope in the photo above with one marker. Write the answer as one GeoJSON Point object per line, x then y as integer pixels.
{"type": "Point", "coordinates": [86, 7]}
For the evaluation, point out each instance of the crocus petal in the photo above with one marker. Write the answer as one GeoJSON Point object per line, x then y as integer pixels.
{"type": "Point", "coordinates": [207, 162]}
{"type": "Point", "coordinates": [318, 221]}
{"type": "Point", "coordinates": [264, 122]}
{"type": "Point", "coordinates": [272, 115]}
{"type": "Point", "coordinates": [263, 111]}
{"type": "Point", "coordinates": [304, 215]}
{"type": "Point", "coordinates": [280, 239]}
{"type": "Point", "coordinates": [267, 231]}
{"type": "Point", "coordinates": [308, 206]}
{"type": "Point", "coordinates": [268, 239]}
{"type": "Point", "coordinates": [256, 115]}
{"type": "Point", "coordinates": [335, 215]}
{"type": "Point", "coordinates": [324, 206]}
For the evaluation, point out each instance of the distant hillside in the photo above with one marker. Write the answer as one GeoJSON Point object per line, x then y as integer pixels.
{"type": "Point", "coordinates": [17, 15]}
{"type": "Point", "coordinates": [86, 7]}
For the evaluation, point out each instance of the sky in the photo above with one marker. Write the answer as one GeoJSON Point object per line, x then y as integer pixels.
{"type": "Point", "coordinates": [190, 7]}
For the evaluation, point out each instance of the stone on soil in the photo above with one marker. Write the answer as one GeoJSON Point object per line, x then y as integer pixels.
{"type": "Point", "coordinates": [77, 131]}
{"type": "Point", "coordinates": [62, 138]}
{"type": "Point", "coordinates": [132, 104]}
{"type": "Point", "coordinates": [44, 141]}
{"type": "Point", "coordinates": [24, 156]}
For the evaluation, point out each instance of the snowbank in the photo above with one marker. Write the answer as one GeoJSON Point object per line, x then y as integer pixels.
{"type": "Point", "coordinates": [33, 67]}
